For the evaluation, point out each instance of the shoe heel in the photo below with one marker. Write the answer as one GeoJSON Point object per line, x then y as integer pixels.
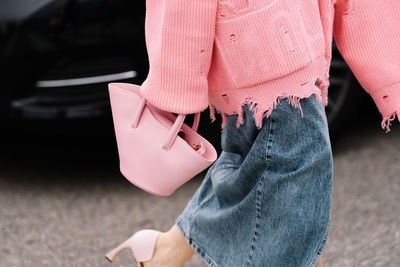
{"type": "Point", "coordinates": [142, 244]}
{"type": "Point", "coordinates": [112, 253]}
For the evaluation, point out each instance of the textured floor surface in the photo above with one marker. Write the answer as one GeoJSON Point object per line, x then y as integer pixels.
{"type": "Point", "coordinates": [66, 205]}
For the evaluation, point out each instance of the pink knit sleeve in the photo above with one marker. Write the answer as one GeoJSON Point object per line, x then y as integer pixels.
{"type": "Point", "coordinates": [367, 34]}
{"type": "Point", "coordinates": [179, 39]}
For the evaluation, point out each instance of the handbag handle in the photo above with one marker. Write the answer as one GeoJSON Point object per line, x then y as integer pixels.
{"type": "Point", "coordinates": [173, 132]}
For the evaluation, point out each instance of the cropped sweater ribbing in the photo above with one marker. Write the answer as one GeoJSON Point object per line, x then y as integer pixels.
{"type": "Point", "coordinates": [223, 54]}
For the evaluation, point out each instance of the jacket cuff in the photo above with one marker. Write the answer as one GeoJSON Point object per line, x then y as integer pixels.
{"type": "Point", "coordinates": [387, 100]}
{"type": "Point", "coordinates": [174, 98]}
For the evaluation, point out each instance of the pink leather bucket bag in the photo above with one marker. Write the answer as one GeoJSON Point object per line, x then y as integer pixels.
{"type": "Point", "coordinates": [157, 151]}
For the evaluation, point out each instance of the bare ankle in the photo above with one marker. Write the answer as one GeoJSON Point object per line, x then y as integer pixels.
{"type": "Point", "coordinates": [171, 250]}
{"type": "Point", "coordinates": [176, 245]}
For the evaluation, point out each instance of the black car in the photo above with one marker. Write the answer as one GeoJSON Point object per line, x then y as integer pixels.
{"type": "Point", "coordinates": [57, 57]}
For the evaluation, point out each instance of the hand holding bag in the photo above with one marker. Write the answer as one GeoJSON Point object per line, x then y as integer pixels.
{"type": "Point", "coordinates": [157, 151]}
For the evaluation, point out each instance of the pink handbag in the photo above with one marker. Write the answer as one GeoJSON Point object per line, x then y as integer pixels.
{"type": "Point", "coordinates": [157, 151]}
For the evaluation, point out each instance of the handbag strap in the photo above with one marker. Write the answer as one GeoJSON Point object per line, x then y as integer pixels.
{"type": "Point", "coordinates": [173, 132]}
{"type": "Point", "coordinates": [139, 112]}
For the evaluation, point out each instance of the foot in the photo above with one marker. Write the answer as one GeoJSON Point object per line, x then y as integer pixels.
{"type": "Point", "coordinates": [171, 250]}
{"type": "Point", "coordinates": [319, 263]}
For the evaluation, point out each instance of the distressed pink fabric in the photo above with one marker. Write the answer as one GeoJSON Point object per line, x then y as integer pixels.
{"type": "Point", "coordinates": [222, 54]}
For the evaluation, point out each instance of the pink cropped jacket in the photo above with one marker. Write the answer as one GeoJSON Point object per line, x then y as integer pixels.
{"type": "Point", "coordinates": [222, 54]}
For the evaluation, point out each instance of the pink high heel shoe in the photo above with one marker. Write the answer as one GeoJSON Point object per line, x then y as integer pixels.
{"type": "Point", "coordinates": [142, 244]}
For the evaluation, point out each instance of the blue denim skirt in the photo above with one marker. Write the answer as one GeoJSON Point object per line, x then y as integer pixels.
{"type": "Point", "coordinates": [266, 200]}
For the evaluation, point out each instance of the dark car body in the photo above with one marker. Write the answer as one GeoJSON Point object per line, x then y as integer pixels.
{"type": "Point", "coordinates": [58, 56]}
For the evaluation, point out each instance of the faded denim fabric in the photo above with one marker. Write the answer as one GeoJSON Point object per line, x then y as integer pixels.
{"type": "Point", "coordinates": [266, 200]}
